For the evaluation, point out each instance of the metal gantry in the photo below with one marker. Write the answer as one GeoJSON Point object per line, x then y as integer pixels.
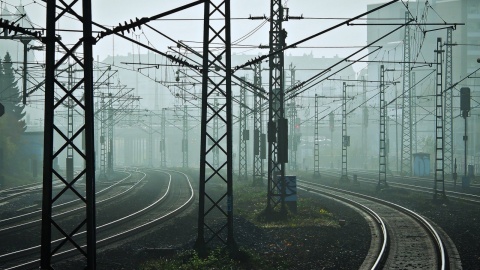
{"type": "Point", "coordinates": [345, 137]}
{"type": "Point", "coordinates": [316, 145]}
{"type": "Point", "coordinates": [57, 94]}
{"type": "Point", "coordinates": [382, 154]}
{"type": "Point", "coordinates": [448, 101]}
{"type": "Point", "coordinates": [277, 143]}
{"type": "Point", "coordinates": [243, 134]}
{"type": "Point", "coordinates": [439, 185]}
{"type": "Point", "coordinates": [216, 65]}
{"type": "Point", "coordinates": [258, 145]}
{"type": "Point", "coordinates": [406, 147]}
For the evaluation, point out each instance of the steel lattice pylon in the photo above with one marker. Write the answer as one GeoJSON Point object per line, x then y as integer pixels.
{"type": "Point", "coordinates": [276, 120]}
{"type": "Point", "coordinates": [215, 154]}
{"type": "Point", "coordinates": [110, 123]}
{"type": "Point", "coordinates": [382, 155]}
{"type": "Point", "coordinates": [365, 124]}
{"type": "Point", "coordinates": [70, 106]}
{"type": "Point", "coordinates": [293, 125]}
{"type": "Point", "coordinates": [216, 87]}
{"type": "Point", "coordinates": [316, 146]}
{"type": "Point", "coordinates": [243, 134]}
{"type": "Point", "coordinates": [163, 152]}
{"type": "Point", "coordinates": [448, 113]}
{"type": "Point", "coordinates": [331, 120]}
{"type": "Point", "coordinates": [56, 94]}
{"type": "Point", "coordinates": [406, 158]}
{"type": "Point", "coordinates": [257, 127]}
{"type": "Point", "coordinates": [414, 113]}
{"type": "Point", "coordinates": [150, 141]}
{"type": "Point", "coordinates": [292, 151]}
{"type": "Point", "coordinates": [439, 185]}
{"type": "Point", "coordinates": [345, 137]}
{"type": "Point", "coordinates": [185, 137]}
{"type": "Point", "coordinates": [103, 133]}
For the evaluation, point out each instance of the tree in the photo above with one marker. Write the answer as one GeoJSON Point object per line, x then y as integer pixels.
{"type": "Point", "coordinates": [12, 125]}
{"type": "Point", "coordinates": [10, 95]}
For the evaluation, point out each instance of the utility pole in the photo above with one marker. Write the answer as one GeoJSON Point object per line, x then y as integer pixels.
{"type": "Point", "coordinates": [216, 152]}
{"type": "Point", "coordinates": [70, 105]}
{"type": "Point", "coordinates": [439, 185]}
{"type": "Point", "coordinates": [243, 134]}
{"type": "Point", "coordinates": [215, 208]}
{"type": "Point", "coordinates": [185, 138]}
{"type": "Point", "coordinates": [382, 155]}
{"type": "Point", "coordinates": [150, 140]}
{"type": "Point", "coordinates": [277, 124]}
{"type": "Point", "coordinates": [86, 128]}
{"type": "Point", "coordinates": [414, 114]}
{"type": "Point", "coordinates": [258, 144]}
{"type": "Point", "coordinates": [365, 124]}
{"type": "Point", "coordinates": [110, 124]}
{"type": "Point", "coordinates": [316, 146]}
{"type": "Point", "coordinates": [345, 137]}
{"type": "Point", "coordinates": [163, 151]}
{"type": "Point", "coordinates": [293, 125]}
{"type": "Point", "coordinates": [25, 71]}
{"type": "Point", "coordinates": [103, 127]}
{"type": "Point", "coordinates": [406, 152]}
{"type": "Point", "coordinates": [331, 121]}
{"type": "Point", "coordinates": [448, 113]}
{"type": "Point", "coordinates": [156, 106]}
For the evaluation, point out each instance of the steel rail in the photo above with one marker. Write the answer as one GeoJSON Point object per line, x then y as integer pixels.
{"type": "Point", "coordinates": [385, 239]}
{"type": "Point", "coordinates": [63, 205]}
{"type": "Point", "coordinates": [439, 245]}
{"type": "Point", "coordinates": [467, 197]}
{"type": "Point", "coordinates": [117, 236]}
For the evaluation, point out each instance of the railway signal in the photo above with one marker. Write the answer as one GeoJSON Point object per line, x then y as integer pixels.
{"type": "Point", "coordinates": [465, 109]}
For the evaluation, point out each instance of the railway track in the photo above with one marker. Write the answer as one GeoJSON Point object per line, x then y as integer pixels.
{"type": "Point", "coordinates": [413, 184]}
{"type": "Point", "coordinates": [24, 219]}
{"type": "Point", "coordinates": [401, 238]}
{"type": "Point", "coordinates": [148, 204]}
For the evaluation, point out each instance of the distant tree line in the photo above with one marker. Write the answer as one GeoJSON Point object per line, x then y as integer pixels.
{"type": "Point", "coordinates": [12, 123]}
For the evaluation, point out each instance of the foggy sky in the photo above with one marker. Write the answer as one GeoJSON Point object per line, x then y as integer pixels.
{"type": "Point", "coordinates": [112, 12]}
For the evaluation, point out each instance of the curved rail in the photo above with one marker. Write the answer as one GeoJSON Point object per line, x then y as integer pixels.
{"type": "Point", "coordinates": [383, 252]}
{"type": "Point", "coordinates": [439, 245]}
{"type": "Point", "coordinates": [119, 235]}
{"type": "Point", "coordinates": [65, 204]}
{"type": "Point", "coordinates": [467, 197]}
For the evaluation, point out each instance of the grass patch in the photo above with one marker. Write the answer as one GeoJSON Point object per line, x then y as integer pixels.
{"type": "Point", "coordinates": [250, 203]}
